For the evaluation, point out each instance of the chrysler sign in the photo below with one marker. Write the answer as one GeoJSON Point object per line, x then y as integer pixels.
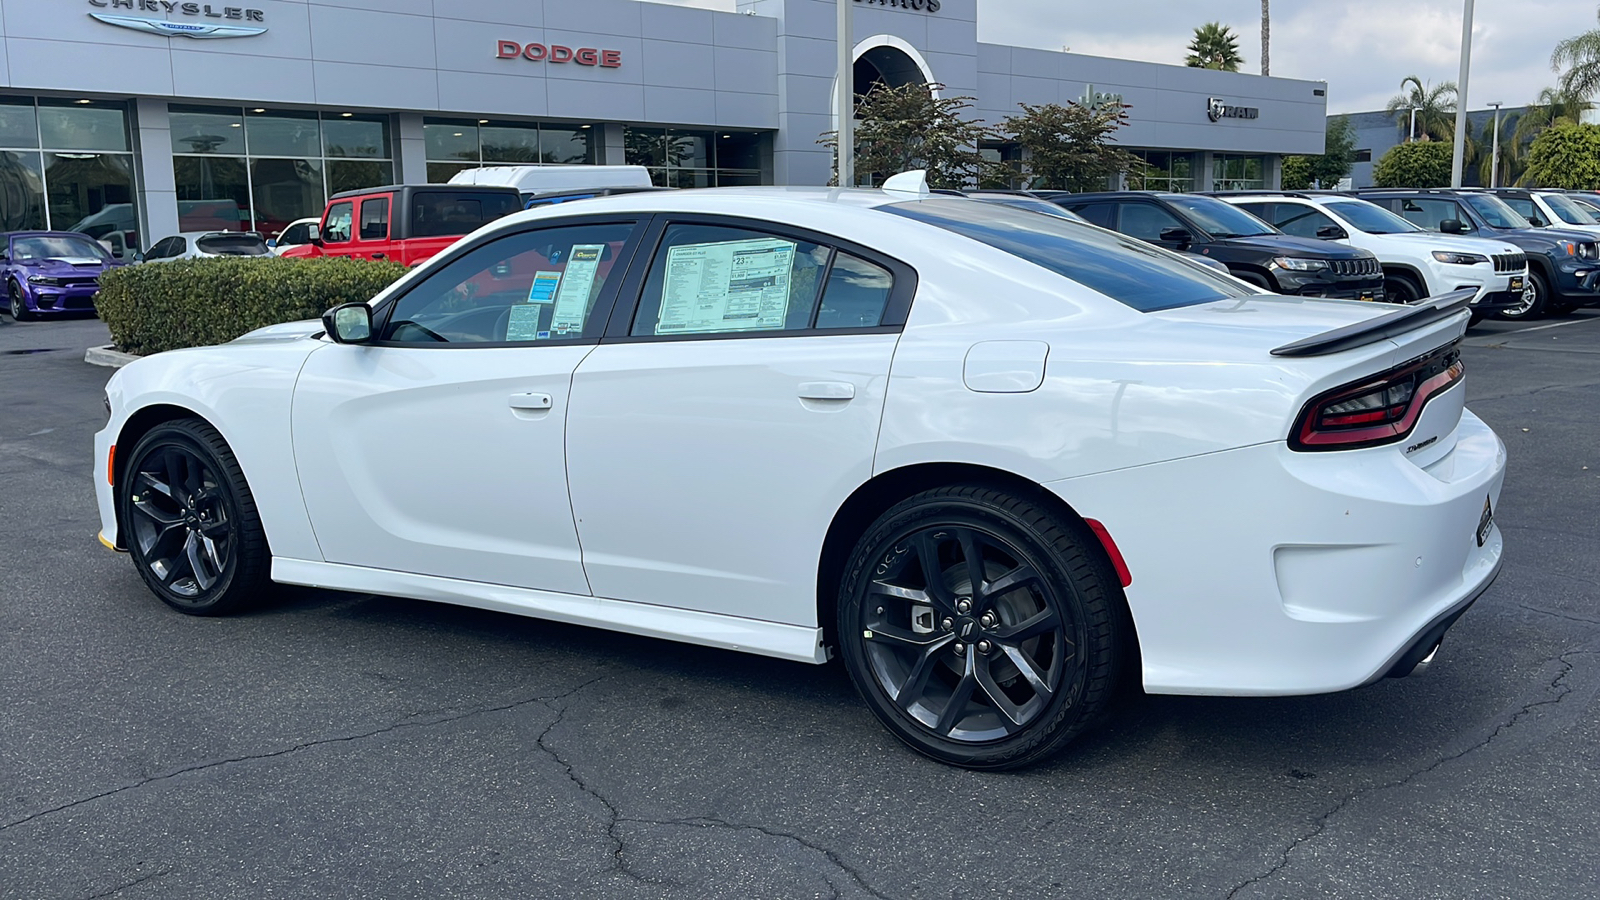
{"type": "Point", "coordinates": [181, 28]}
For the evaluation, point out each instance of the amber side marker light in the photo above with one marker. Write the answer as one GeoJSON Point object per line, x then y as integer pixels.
{"type": "Point", "coordinates": [111, 466]}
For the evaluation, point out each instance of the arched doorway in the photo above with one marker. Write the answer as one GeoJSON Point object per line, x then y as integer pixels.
{"type": "Point", "coordinates": [888, 66]}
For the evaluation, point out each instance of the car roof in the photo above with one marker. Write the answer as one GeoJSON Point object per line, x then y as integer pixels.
{"type": "Point", "coordinates": [1106, 195]}
{"type": "Point", "coordinates": [441, 188]}
{"type": "Point", "coordinates": [7, 235]}
{"type": "Point", "coordinates": [196, 235]}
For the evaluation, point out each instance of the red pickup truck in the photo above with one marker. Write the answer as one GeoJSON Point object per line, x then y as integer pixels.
{"type": "Point", "coordinates": [406, 223]}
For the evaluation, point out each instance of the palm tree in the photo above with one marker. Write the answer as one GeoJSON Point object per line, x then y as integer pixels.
{"type": "Point", "coordinates": [1215, 46]}
{"type": "Point", "coordinates": [1266, 37]}
{"type": "Point", "coordinates": [1435, 106]}
{"type": "Point", "coordinates": [1553, 107]}
{"type": "Point", "coordinates": [1580, 56]}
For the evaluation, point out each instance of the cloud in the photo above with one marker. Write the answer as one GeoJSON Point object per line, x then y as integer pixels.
{"type": "Point", "coordinates": [1362, 48]}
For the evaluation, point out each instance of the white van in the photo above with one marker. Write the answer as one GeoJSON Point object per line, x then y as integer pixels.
{"type": "Point", "coordinates": [531, 180]}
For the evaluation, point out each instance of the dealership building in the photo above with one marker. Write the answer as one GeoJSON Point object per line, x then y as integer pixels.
{"type": "Point", "coordinates": [134, 119]}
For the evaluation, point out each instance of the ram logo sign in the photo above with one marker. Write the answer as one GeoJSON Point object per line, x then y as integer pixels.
{"type": "Point", "coordinates": [1217, 110]}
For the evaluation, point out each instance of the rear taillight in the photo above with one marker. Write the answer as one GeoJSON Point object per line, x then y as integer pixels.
{"type": "Point", "coordinates": [1378, 410]}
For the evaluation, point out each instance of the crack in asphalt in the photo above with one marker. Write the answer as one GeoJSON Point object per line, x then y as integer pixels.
{"type": "Point", "coordinates": [122, 887]}
{"type": "Point", "coordinates": [1322, 821]}
{"type": "Point", "coordinates": [831, 856]}
{"type": "Point", "coordinates": [1559, 615]}
{"type": "Point", "coordinates": [404, 724]}
{"type": "Point", "coordinates": [616, 819]}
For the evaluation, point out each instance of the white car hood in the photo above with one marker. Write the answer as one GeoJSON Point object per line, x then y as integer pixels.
{"type": "Point", "coordinates": [1428, 241]}
{"type": "Point", "coordinates": [287, 331]}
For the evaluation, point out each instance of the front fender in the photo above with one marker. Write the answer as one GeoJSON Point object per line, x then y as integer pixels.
{"type": "Point", "coordinates": [245, 391]}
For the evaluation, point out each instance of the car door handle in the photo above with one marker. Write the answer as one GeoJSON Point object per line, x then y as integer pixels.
{"type": "Point", "coordinates": [530, 401]}
{"type": "Point", "coordinates": [380, 256]}
{"type": "Point", "coordinates": [827, 390]}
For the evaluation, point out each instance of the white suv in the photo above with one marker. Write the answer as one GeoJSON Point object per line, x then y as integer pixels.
{"type": "Point", "coordinates": [1547, 209]}
{"type": "Point", "coordinates": [1416, 263]}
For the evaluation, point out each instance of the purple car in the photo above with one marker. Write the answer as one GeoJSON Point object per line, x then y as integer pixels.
{"type": "Point", "coordinates": [48, 272]}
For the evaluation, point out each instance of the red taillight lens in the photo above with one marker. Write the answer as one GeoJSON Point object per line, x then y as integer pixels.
{"type": "Point", "coordinates": [1376, 411]}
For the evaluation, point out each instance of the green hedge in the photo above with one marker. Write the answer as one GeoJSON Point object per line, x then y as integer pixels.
{"type": "Point", "coordinates": [192, 303]}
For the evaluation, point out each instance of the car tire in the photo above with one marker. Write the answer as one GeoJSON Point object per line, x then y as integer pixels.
{"type": "Point", "coordinates": [190, 522]}
{"type": "Point", "coordinates": [14, 302]}
{"type": "Point", "coordinates": [1402, 289]}
{"type": "Point", "coordinates": [981, 677]}
{"type": "Point", "coordinates": [1535, 299]}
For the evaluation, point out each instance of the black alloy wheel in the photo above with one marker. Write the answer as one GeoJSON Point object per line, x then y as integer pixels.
{"type": "Point", "coordinates": [19, 307]}
{"type": "Point", "coordinates": [1400, 289]}
{"type": "Point", "coordinates": [1535, 298]}
{"type": "Point", "coordinates": [190, 522]}
{"type": "Point", "coordinates": [978, 628]}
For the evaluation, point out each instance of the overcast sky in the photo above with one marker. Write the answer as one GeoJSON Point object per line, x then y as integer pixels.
{"type": "Point", "coordinates": [1362, 48]}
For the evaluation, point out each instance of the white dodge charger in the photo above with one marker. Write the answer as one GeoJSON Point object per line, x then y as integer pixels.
{"type": "Point", "coordinates": [995, 461]}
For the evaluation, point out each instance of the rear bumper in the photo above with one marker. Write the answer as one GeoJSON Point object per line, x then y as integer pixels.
{"type": "Point", "coordinates": [1321, 575]}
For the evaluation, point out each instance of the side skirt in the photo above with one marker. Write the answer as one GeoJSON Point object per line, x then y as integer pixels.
{"type": "Point", "coordinates": [791, 642]}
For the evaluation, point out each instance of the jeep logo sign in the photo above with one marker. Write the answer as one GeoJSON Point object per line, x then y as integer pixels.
{"type": "Point", "coordinates": [556, 53]}
{"type": "Point", "coordinates": [1216, 110]}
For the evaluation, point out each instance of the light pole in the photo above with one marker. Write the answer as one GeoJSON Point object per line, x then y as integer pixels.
{"type": "Point", "coordinates": [1494, 155]}
{"type": "Point", "coordinates": [1459, 155]}
{"type": "Point", "coordinates": [844, 99]}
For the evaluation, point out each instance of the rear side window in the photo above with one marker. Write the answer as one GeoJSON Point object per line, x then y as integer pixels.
{"type": "Point", "coordinates": [448, 213]}
{"type": "Point", "coordinates": [856, 294]}
{"type": "Point", "coordinates": [716, 279]}
{"type": "Point", "coordinates": [1146, 221]}
{"type": "Point", "coordinates": [1123, 268]}
{"type": "Point", "coordinates": [1102, 214]}
{"type": "Point", "coordinates": [375, 219]}
{"type": "Point", "coordinates": [232, 245]}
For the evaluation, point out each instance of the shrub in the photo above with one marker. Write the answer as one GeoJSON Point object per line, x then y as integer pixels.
{"type": "Point", "coordinates": [1565, 156]}
{"type": "Point", "coordinates": [192, 303]}
{"type": "Point", "coordinates": [1415, 164]}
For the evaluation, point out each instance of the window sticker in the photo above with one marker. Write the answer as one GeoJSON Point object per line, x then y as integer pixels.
{"type": "Point", "coordinates": [572, 298]}
{"type": "Point", "coordinates": [523, 323]}
{"type": "Point", "coordinates": [544, 287]}
{"type": "Point", "coordinates": [726, 286]}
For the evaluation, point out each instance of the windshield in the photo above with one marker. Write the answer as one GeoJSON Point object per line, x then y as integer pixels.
{"type": "Point", "coordinates": [1495, 211]}
{"type": "Point", "coordinates": [1370, 217]}
{"type": "Point", "coordinates": [1125, 269]}
{"type": "Point", "coordinates": [56, 246]}
{"type": "Point", "coordinates": [1219, 219]}
{"type": "Point", "coordinates": [1568, 211]}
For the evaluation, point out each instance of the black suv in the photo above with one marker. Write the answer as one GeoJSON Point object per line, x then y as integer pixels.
{"type": "Point", "coordinates": [1563, 265]}
{"type": "Point", "coordinates": [1252, 250]}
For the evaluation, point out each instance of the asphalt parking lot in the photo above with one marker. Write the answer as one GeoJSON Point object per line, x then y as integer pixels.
{"type": "Point", "coordinates": [336, 745]}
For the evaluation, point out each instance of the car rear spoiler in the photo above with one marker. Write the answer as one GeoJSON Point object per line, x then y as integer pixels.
{"type": "Point", "coordinates": [1431, 309]}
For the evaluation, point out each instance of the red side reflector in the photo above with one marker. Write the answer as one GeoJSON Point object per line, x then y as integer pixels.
{"type": "Point", "coordinates": [1117, 562]}
{"type": "Point", "coordinates": [111, 466]}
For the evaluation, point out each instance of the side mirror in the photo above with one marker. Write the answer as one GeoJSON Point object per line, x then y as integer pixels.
{"type": "Point", "coordinates": [314, 235]}
{"type": "Point", "coordinates": [1179, 236]}
{"type": "Point", "coordinates": [1332, 233]}
{"type": "Point", "coordinates": [138, 256]}
{"type": "Point", "coordinates": [350, 323]}
{"type": "Point", "coordinates": [1537, 221]}
{"type": "Point", "coordinates": [272, 243]}
{"type": "Point", "coordinates": [316, 240]}
{"type": "Point", "coordinates": [1453, 226]}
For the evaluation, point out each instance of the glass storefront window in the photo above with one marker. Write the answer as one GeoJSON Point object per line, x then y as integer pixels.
{"type": "Point", "coordinates": [353, 175]}
{"type": "Point", "coordinates": [510, 143]}
{"type": "Point", "coordinates": [365, 137]}
{"type": "Point", "coordinates": [283, 135]}
{"type": "Point", "coordinates": [451, 141]}
{"type": "Point", "coordinates": [1238, 173]}
{"type": "Point", "coordinates": [83, 184]}
{"type": "Point", "coordinates": [84, 179]}
{"type": "Point", "coordinates": [213, 193]}
{"type": "Point", "coordinates": [685, 158]}
{"type": "Point", "coordinates": [1163, 170]}
{"type": "Point", "coordinates": [440, 173]}
{"type": "Point", "coordinates": [285, 190]}
{"type": "Point", "coordinates": [21, 191]}
{"type": "Point", "coordinates": [81, 126]}
{"type": "Point", "coordinates": [285, 164]}
{"type": "Point", "coordinates": [568, 146]}
{"type": "Point", "coordinates": [19, 123]}
{"type": "Point", "coordinates": [207, 132]}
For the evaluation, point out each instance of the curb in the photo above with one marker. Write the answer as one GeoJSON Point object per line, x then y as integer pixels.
{"type": "Point", "coordinates": [108, 356]}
